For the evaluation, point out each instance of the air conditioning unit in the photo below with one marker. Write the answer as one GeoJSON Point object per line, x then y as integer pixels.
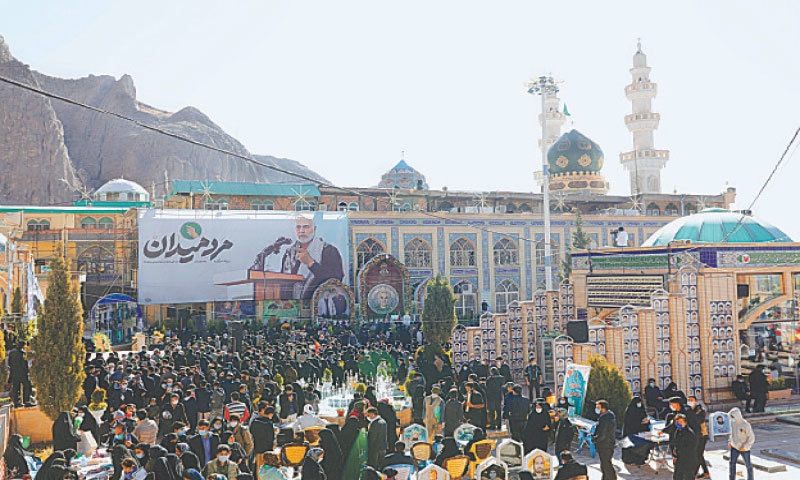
{"type": "Point", "coordinates": [466, 288]}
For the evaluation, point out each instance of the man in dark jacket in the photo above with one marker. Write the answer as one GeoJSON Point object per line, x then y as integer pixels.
{"type": "Point", "coordinates": [399, 456]}
{"type": "Point", "coordinates": [494, 397]}
{"type": "Point", "coordinates": [205, 443]}
{"type": "Point", "coordinates": [453, 413]}
{"type": "Point", "coordinates": [262, 428]}
{"type": "Point", "coordinates": [376, 438]}
{"type": "Point", "coordinates": [758, 388]}
{"type": "Point", "coordinates": [604, 438]}
{"type": "Point", "coordinates": [503, 369]}
{"type": "Point", "coordinates": [569, 467]}
{"type": "Point", "coordinates": [684, 446]}
{"type": "Point", "coordinates": [516, 410]}
{"type": "Point", "coordinates": [386, 411]}
{"type": "Point", "coordinates": [289, 403]}
{"type": "Point", "coordinates": [18, 370]}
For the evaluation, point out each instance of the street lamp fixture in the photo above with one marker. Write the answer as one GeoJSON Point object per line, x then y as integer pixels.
{"type": "Point", "coordinates": [545, 86]}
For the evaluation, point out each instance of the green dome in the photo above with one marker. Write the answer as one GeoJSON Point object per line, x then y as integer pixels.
{"type": "Point", "coordinates": [717, 225]}
{"type": "Point", "coordinates": [574, 152]}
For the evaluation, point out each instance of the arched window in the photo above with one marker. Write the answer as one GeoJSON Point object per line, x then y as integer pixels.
{"type": "Point", "coordinates": [671, 210]}
{"type": "Point", "coordinates": [88, 222]}
{"type": "Point", "coordinates": [401, 207]}
{"type": "Point", "coordinates": [96, 260]}
{"type": "Point", "coordinates": [38, 225]}
{"type": "Point", "coordinates": [342, 207]}
{"type": "Point", "coordinates": [366, 250]}
{"type": "Point", "coordinates": [305, 205]}
{"type": "Point", "coordinates": [691, 208]}
{"type": "Point", "coordinates": [511, 208]}
{"type": "Point", "coordinates": [445, 206]}
{"type": "Point", "coordinates": [462, 253]}
{"type": "Point", "coordinates": [505, 252]}
{"type": "Point", "coordinates": [505, 293]}
{"type": "Point", "coordinates": [106, 223]}
{"type": "Point", "coordinates": [554, 248]}
{"type": "Point", "coordinates": [352, 206]}
{"type": "Point", "coordinates": [466, 299]}
{"type": "Point", "coordinates": [265, 205]}
{"type": "Point", "coordinates": [418, 254]}
{"type": "Point", "coordinates": [524, 207]}
{"type": "Point", "coordinates": [653, 210]}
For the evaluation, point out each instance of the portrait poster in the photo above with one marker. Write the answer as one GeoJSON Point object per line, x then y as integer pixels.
{"type": "Point", "coordinates": [415, 433]}
{"type": "Point", "coordinates": [333, 300]}
{"type": "Point", "coordinates": [491, 469]}
{"type": "Point", "coordinates": [383, 299]}
{"type": "Point", "coordinates": [188, 256]}
{"type": "Point", "coordinates": [576, 380]}
{"type": "Point", "coordinates": [539, 464]}
{"type": "Point", "coordinates": [433, 472]}
{"type": "Point", "coordinates": [719, 425]}
{"type": "Point", "coordinates": [510, 452]}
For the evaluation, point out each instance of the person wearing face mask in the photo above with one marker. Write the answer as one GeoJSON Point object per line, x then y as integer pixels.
{"type": "Point", "coordinates": [634, 422]}
{"type": "Point", "coordinates": [205, 443]}
{"type": "Point", "coordinates": [170, 413]}
{"type": "Point", "coordinates": [222, 464]}
{"type": "Point", "coordinates": [132, 471]}
{"type": "Point", "coordinates": [537, 429]}
{"type": "Point", "coordinates": [702, 434]}
{"type": "Point", "coordinates": [604, 438]}
{"type": "Point", "coordinates": [142, 454]}
{"type": "Point", "coordinates": [654, 397]}
{"type": "Point", "coordinates": [684, 449]}
{"type": "Point", "coordinates": [759, 385]}
{"type": "Point", "coordinates": [241, 434]}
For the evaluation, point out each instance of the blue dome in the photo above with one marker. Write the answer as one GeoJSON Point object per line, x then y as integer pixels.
{"type": "Point", "coordinates": [717, 225]}
{"type": "Point", "coordinates": [403, 175]}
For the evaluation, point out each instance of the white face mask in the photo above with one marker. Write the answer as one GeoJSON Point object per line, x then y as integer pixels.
{"type": "Point", "coordinates": [538, 409]}
{"type": "Point", "coordinates": [234, 424]}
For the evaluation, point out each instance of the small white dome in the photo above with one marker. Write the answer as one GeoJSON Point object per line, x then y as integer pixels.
{"type": "Point", "coordinates": [116, 188]}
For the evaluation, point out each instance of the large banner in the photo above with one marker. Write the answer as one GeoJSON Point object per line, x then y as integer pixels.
{"type": "Point", "coordinates": [575, 384]}
{"type": "Point", "coordinates": [188, 256]}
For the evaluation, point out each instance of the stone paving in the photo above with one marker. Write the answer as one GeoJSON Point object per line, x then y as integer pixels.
{"type": "Point", "coordinates": [769, 435]}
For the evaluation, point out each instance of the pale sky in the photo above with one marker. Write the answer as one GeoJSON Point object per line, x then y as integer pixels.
{"type": "Point", "coordinates": [345, 86]}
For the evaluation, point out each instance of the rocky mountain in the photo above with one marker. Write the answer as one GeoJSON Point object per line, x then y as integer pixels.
{"type": "Point", "coordinates": [49, 148]}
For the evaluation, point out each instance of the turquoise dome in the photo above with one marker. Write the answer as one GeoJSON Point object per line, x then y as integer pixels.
{"type": "Point", "coordinates": [717, 225]}
{"type": "Point", "coordinates": [403, 175]}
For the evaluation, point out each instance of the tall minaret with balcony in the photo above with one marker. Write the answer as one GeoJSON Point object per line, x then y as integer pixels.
{"type": "Point", "coordinates": [644, 162]}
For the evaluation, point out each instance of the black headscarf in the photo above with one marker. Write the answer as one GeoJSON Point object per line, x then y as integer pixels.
{"type": "Point", "coordinates": [632, 423]}
{"type": "Point", "coordinates": [15, 457]}
{"type": "Point", "coordinates": [449, 449]}
{"type": "Point", "coordinates": [333, 460]}
{"type": "Point", "coordinates": [89, 423]}
{"type": "Point", "coordinates": [45, 469]}
{"type": "Point", "coordinates": [145, 448]}
{"type": "Point", "coordinates": [119, 453]}
{"type": "Point", "coordinates": [189, 460]}
{"type": "Point", "coordinates": [170, 442]}
{"type": "Point", "coordinates": [348, 435]}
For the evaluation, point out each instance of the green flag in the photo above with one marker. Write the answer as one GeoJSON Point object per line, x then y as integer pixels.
{"type": "Point", "coordinates": [566, 112]}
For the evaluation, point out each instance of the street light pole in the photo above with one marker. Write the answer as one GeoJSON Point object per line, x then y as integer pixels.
{"type": "Point", "coordinates": [545, 86]}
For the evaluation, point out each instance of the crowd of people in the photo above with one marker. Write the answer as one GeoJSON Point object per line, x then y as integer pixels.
{"type": "Point", "coordinates": [196, 408]}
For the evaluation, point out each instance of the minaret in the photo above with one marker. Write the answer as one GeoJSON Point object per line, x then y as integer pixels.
{"type": "Point", "coordinates": [555, 117]}
{"type": "Point", "coordinates": [644, 163]}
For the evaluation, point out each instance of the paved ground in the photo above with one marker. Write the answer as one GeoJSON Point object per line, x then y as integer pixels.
{"type": "Point", "coordinates": [768, 435]}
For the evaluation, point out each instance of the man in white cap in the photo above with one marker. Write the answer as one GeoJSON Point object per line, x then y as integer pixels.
{"type": "Point", "coordinates": [308, 419]}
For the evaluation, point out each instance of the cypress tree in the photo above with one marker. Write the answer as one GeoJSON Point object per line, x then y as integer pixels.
{"type": "Point", "coordinates": [606, 382]}
{"type": "Point", "coordinates": [16, 302]}
{"type": "Point", "coordinates": [438, 316]}
{"type": "Point", "coordinates": [57, 370]}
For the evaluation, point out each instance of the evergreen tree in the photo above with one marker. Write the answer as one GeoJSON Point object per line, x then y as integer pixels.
{"type": "Point", "coordinates": [57, 370]}
{"type": "Point", "coordinates": [580, 239]}
{"type": "Point", "coordinates": [607, 383]}
{"type": "Point", "coordinates": [16, 312]}
{"type": "Point", "coordinates": [439, 316]}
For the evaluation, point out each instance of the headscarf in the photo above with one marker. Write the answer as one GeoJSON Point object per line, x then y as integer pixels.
{"type": "Point", "coordinates": [192, 474]}
{"type": "Point", "coordinates": [333, 460]}
{"type": "Point", "coordinates": [632, 423]}
{"type": "Point", "coordinates": [145, 448]}
{"type": "Point", "coordinates": [449, 449]}
{"type": "Point", "coordinates": [190, 461]}
{"type": "Point", "coordinates": [89, 423]}
{"type": "Point", "coordinates": [45, 469]}
{"type": "Point", "coordinates": [15, 456]}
